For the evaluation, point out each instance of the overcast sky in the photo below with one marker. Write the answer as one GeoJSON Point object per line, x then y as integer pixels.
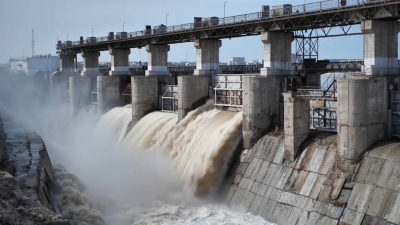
{"type": "Point", "coordinates": [52, 19]}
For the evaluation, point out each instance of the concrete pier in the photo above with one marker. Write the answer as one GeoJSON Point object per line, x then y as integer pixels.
{"type": "Point", "coordinates": [119, 61]}
{"type": "Point", "coordinates": [144, 96]}
{"type": "Point", "coordinates": [207, 56]}
{"type": "Point", "coordinates": [380, 47]}
{"type": "Point", "coordinates": [192, 93]}
{"type": "Point", "coordinates": [90, 63]}
{"type": "Point", "coordinates": [67, 63]}
{"type": "Point", "coordinates": [59, 85]}
{"type": "Point", "coordinates": [108, 93]}
{"type": "Point", "coordinates": [277, 53]}
{"type": "Point", "coordinates": [157, 60]}
{"type": "Point", "coordinates": [296, 123]}
{"type": "Point", "coordinates": [260, 107]}
{"type": "Point", "coordinates": [362, 115]}
{"type": "Point", "coordinates": [80, 93]}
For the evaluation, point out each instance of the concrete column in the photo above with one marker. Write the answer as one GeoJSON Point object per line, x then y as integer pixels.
{"type": "Point", "coordinates": [67, 63]}
{"type": "Point", "coordinates": [157, 60]}
{"type": "Point", "coordinates": [144, 96]}
{"type": "Point", "coordinates": [362, 115]}
{"type": "Point", "coordinates": [90, 63]}
{"type": "Point", "coordinates": [108, 93]}
{"type": "Point", "coordinates": [380, 47]}
{"type": "Point", "coordinates": [192, 93]}
{"type": "Point", "coordinates": [59, 85]}
{"type": "Point", "coordinates": [120, 61]}
{"type": "Point", "coordinates": [260, 107]}
{"type": "Point", "coordinates": [277, 53]}
{"type": "Point", "coordinates": [296, 123]}
{"type": "Point", "coordinates": [80, 89]}
{"type": "Point", "coordinates": [207, 56]}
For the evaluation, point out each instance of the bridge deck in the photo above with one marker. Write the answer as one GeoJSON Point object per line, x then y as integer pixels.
{"type": "Point", "coordinates": [316, 15]}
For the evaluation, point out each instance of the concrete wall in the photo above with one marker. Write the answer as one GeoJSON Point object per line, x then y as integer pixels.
{"type": "Point", "coordinates": [277, 53]}
{"type": "Point", "coordinates": [260, 107]}
{"type": "Point", "coordinates": [296, 123]}
{"type": "Point", "coordinates": [380, 46]}
{"type": "Point", "coordinates": [108, 93]}
{"type": "Point", "coordinates": [314, 189]}
{"type": "Point", "coordinates": [362, 115]}
{"type": "Point", "coordinates": [80, 90]}
{"type": "Point", "coordinates": [157, 60]}
{"type": "Point", "coordinates": [120, 61]}
{"type": "Point", "coordinates": [144, 96]}
{"type": "Point", "coordinates": [90, 63]}
{"type": "Point", "coordinates": [192, 93]}
{"type": "Point", "coordinates": [207, 56]}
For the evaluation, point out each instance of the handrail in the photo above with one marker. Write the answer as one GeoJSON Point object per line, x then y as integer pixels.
{"type": "Point", "coordinates": [273, 14]}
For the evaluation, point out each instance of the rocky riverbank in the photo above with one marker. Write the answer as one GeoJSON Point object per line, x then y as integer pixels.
{"type": "Point", "coordinates": [25, 176]}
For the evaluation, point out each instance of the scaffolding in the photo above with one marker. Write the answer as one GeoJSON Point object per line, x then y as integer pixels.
{"type": "Point", "coordinates": [169, 99]}
{"type": "Point", "coordinates": [228, 90]}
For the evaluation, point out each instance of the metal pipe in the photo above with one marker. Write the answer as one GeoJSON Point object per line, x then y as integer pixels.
{"type": "Point", "coordinates": [224, 7]}
{"type": "Point", "coordinates": [166, 19]}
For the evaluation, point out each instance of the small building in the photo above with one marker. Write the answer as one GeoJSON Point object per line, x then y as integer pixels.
{"type": "Point", "coordinates": [18, 66]}
{"type": "Point", "coordinates": [42, 63]}
{"type": "Point", "coordinates": [237, 61]}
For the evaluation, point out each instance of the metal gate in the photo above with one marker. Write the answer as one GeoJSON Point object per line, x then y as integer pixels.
{"type": "Point", "coordinates": [323, 115]}
{"type": "Point", "coordinates": [169, 98]}
{"type": "Point", "coordinates": [228, 90]}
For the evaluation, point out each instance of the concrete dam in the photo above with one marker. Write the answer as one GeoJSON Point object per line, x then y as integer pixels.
{"type": "Point", "coordinates": [282, 144]}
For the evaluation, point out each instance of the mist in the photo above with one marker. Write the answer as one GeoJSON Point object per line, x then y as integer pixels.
{"type": "Point", "coordinates": [107, 175]}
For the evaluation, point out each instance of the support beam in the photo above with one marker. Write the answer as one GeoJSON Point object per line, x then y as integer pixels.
{"type": "Point", "coordinates": [80, 89]}
{"type": "Point", "coordinates": [362, 115]}
{"type": "Point", "coordinates": [144, 96]}
{"type": "Point", "coordinates": [108, 93]}
{"type": "Point", "coordinates": [260, 107]}
{"type": "Point", "coordinates": [207, 56]}
{"type": "Point", "coordinates": [277, 53]}
{"type": "Point", "coordinates": [119, 61]}
{"type": "Point", "coordinates": [192, 93]}
{"type": "Point", "coordinates": [90, 63]}
{"type": "Point", "coordinates": [67, 63]}
{"type": "Point", "coordinates": [380, 47]}
{"type": "Point", "coordinates": [157, 60]}
{"type": "Point", "coordinates": [296, 123]}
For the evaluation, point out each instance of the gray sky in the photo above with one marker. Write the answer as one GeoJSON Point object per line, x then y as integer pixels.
{"type": "Point", "coordinates": [54, 19]}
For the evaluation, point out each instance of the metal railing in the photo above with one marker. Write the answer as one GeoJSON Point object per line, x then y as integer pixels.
{"type": "Point", "coordinates": [274, 14]}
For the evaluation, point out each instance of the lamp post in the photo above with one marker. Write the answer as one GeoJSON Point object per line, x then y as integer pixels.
{"type": "Point", "coordinates": [166, 19]}
{"type": "Point", "coordinates": [224, 7]}
{"type": "Point", "coordinates": [67, 37]}
{"type": "Point", "coordinates": [123, 27]}
{"type": "Point", "coordinates": [92, 31]}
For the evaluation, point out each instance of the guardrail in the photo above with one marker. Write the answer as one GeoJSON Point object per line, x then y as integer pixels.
{"type": "Point", "coordinates": [273, 14]}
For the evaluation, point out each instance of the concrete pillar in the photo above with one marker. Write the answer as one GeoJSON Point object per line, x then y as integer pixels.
{"type": "Point", "coordinates": [157, 60]}
{"type": "Point", "coordinates": [119, 61]}
{"type": "Point", "coordinates": [108, 93]}
{"type": "Point", "coordinates": [80, 89]}
{"type": "Point", "coordinates": [67, 63]}
{"type": "Point", "coordinates": [380, 47]}
{"type": "Point", "coordinates": [207, 56]}
{"type": "Point", "coordinates": [362, 114]}
{"type": "Point", "coordinates": [59, 85]}
{"type": "Point", "coordinates": [90, 63]}
{"type": "Point", "coordinates": [192, 93]}
{"type": "Point", "coordinates": [277, 53]}
{"type": "Point", "coordinates": [144, 96]}
{"type": "Point", "coordinates": [260, 107]}
{"type": "Point", "coordinates": [296, 123]}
